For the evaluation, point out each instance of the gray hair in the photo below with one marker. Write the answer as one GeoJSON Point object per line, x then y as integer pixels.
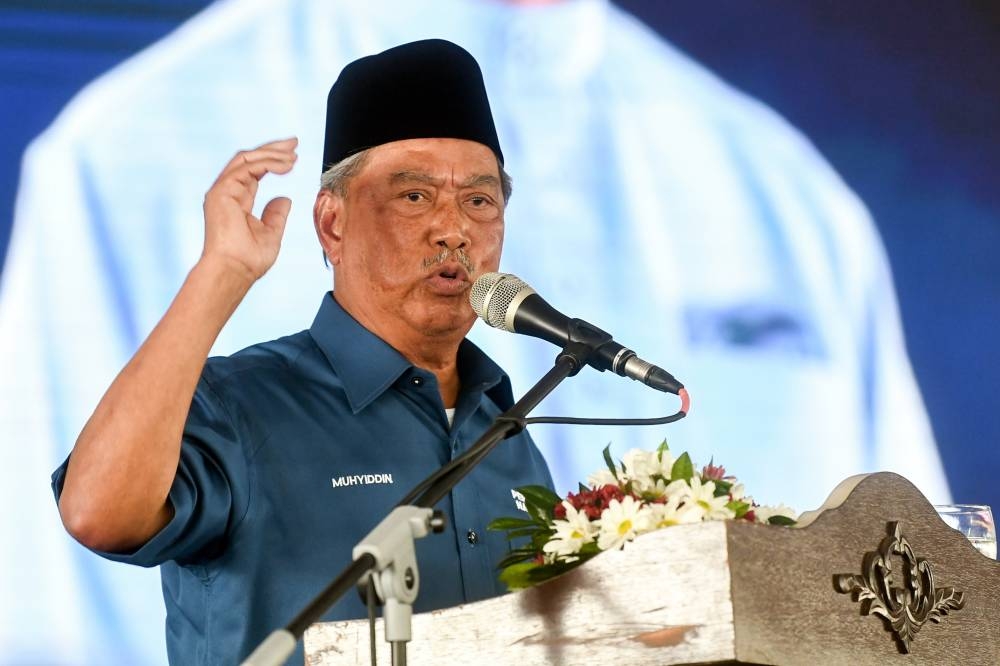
{"type": "Point", "coordinates": [506, 183]}
{"type": "Point", "coordinates": [336, 178]}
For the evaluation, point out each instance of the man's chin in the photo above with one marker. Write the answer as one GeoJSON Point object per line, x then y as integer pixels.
{"type": "Point", "coordinates": [446, 320]}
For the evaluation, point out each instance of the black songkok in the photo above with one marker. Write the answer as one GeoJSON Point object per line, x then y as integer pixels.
{"type": "Point", "coordinates": [426, 89]}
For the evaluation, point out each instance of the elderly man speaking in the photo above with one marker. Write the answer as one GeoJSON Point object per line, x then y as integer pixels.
{"type": "Point", "coordinates": [249, 478]}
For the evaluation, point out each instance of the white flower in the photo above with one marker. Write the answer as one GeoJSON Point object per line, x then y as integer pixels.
{"type": "Point", "coordinates": [621, 521]}
{"type": "Point", "coordinates": [665, 464]}
{"type": "Point", "coordinates": [640, 465]}
{"type": "Point", "coordinates": [679, 488]}
{"type": "Point", "coordinates": [667, 488]}
{"type": "Point", "coordinates": [656, 472]}
{"type": "Point", "coordinates": [738, 492]}
{"type": "Point", "coordinates": [602, 477]}
{"type": "Point", "coordinates": [656, 490]}
{"type": "Point", "coordinates": [673, 513]}
{"type": "Point", "coordinates": [761, 514]}
{"type": "Point", "coordinates": [712, 507]}
{"type": "Point", "coordinates": [571, 533]}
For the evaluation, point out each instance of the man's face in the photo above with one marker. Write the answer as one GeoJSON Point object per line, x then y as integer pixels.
{"type": "Point", "coordinates": [422, 220]}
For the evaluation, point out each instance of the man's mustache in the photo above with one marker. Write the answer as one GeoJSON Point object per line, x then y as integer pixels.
{"type": "Point", "coordinates": [459, 255]}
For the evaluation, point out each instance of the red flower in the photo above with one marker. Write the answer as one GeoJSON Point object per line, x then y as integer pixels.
{"type": "Point", "coordinates": [713, 472]}
{"type": "Point", "coordinates": [590, 502]}
{"type": "Point", "coordinates": [610, 492]}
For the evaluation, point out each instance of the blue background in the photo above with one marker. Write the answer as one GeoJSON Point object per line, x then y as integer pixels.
{"type": "Point", "coordinates": [902, 98]}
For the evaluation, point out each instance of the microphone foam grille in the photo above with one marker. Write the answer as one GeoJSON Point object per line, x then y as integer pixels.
{"type": "Point", "coordinates": [492, 294]}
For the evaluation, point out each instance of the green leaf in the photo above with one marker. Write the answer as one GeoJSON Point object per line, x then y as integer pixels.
{"type": "Point", "coordinates": [661, 449]}
{"type": "Point", "coordinates": [516, 576]}
{"type": "Point", "coordinates": [780, 520]}
{"type": "Point", "coordinates": [609, 462]}
{"type": "Point", "coordinates": [539, 538]}
{"type": "Point", "coordinates": [722, 487]}
{"type": "Point", "coordinates": [529, 573]}
{"type": "Point", "coordinates": [582, 488]}
{"type": "Point", "coordinates": [511, 523]}
{"type": "Point", "coordinates": [545, 572]}
{"type": "Point", "coordinates": [523, 532]}
{"type": "Point", "coordinates": [683, 469]}
{"type": "Point", "coordinates": [540, 496]}
{"type": "Point", "coordinates": [517, 555]}
{"type": "Point", "coordinates": [738, 507]}
{"type": "Point", "coordinates": [540, 503]}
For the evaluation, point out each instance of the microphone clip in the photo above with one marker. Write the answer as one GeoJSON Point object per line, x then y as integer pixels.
{"type": "Point", "coordinates": [583, 340]}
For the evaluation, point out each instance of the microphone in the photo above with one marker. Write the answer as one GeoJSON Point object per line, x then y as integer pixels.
{"type": "Point", "coordinates": [505, 301]}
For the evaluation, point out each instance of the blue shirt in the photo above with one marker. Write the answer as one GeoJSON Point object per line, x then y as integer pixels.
{"type": "Point", "coordinates": [293, 451]}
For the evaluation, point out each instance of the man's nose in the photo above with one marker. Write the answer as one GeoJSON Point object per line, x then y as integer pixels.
{"type": "Point", "coordinates": [450, 230]}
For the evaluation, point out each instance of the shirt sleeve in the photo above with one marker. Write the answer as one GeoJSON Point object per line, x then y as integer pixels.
{"type": "Point", "coordinates": [210, 493]}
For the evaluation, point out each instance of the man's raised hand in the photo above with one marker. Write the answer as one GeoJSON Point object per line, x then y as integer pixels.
{"type": "Point", "coordinates": [232, 233]}
{"type": "Point", "coordinates": [116, 492]}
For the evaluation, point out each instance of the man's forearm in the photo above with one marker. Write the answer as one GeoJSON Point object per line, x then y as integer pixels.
{"type": "Point", "coordinates": [120, 472]}
{"type": "Point", "coordinates": [114, 496]}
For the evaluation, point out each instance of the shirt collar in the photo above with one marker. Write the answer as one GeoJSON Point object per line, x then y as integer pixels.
{"type": "Point", "coordinates": [367, 365]}
{"type": "Point", "coordinates": [479, 373]}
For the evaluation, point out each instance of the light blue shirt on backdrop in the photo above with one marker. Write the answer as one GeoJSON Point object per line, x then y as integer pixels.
{"type": "Point", "coordinates": [650, 199]}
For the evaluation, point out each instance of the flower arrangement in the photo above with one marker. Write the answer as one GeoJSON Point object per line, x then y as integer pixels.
{"type": "Point", "coordinates": [646, 491]}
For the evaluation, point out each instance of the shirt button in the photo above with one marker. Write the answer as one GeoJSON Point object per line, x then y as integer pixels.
{"type": "Point", "coordinates": [417, 381]}
{"type": "Point", "coordinates": [472, 537]}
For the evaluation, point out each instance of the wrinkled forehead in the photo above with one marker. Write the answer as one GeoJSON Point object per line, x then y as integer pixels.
{"type": "Point", "coordinates": [455, 162]}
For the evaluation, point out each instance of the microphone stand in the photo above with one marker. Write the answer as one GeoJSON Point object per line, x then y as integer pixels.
{"type": "Point", "coordinates": [388, 554]}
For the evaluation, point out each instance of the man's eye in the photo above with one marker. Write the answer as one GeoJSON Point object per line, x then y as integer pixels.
{"type": "Point", "coordinates": [479, 201]}
{"type": "Point", "coordinates": [414, 197]}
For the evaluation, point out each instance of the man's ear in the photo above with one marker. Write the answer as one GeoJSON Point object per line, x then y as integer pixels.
{"type": "Point", "coordinates": [328, 218]}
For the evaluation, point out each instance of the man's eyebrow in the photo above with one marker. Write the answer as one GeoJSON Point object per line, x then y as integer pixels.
{"type": "Point", "coordinates": [481, 180]}
{"type": "Point", "coordinates": [478, 180]}
{"type": "Point", "coordinates": [413, 177]}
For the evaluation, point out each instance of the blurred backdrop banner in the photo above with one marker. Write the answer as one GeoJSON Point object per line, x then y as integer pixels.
{"type": "Point", "coordinates": [660, 192]}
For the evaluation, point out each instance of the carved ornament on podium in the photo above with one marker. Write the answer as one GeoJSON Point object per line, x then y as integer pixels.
{"type": "Point", "coordinates": [907, 599]}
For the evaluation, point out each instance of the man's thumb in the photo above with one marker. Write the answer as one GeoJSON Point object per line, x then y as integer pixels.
{"type": "Point", "coordinates": [276, 213]}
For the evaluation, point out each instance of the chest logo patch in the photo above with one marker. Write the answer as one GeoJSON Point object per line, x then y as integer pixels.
{"type": "Point", "coordinates": [361, 480]}
{"type": "Point", "coordinates": [518, 500]}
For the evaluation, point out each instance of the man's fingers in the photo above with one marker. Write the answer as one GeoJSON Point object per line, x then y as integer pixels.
{"type": "Point", "coordinates": [242, 182]}
{"type": "Point", "coordinates": [246, 156]}
{"type": "Point", "coordinates": [275, 213]}
{"type": "Point", "coordinates": [250, 161]}
{"type": "Point", "coordinates": [240, 176]}
{"type": "Point", "coordinates": [271, 148]}
{"type": "Point", "coordinates": [243, 191]}
{"type": "Point", "coordinates": [283, 145]}
{"type": "Point", "coordinates": [258, 168]}
{"type": "Point", "coordinates": [290, 143]}
{"type": "Point", "coordinates": [254, 171]}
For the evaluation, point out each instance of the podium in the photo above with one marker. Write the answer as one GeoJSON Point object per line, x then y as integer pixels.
{"type": "Point", "coordinates": [873, 577]}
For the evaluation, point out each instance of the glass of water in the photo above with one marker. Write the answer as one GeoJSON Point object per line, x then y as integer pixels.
{"type": "Point", "coordinates": [975, 521]}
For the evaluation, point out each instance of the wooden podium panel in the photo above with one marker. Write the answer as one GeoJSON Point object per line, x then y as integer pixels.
{"type": "Point", "coordinates": [789, 610]}
{"type": "Point", "coordinates": [733, 592]}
